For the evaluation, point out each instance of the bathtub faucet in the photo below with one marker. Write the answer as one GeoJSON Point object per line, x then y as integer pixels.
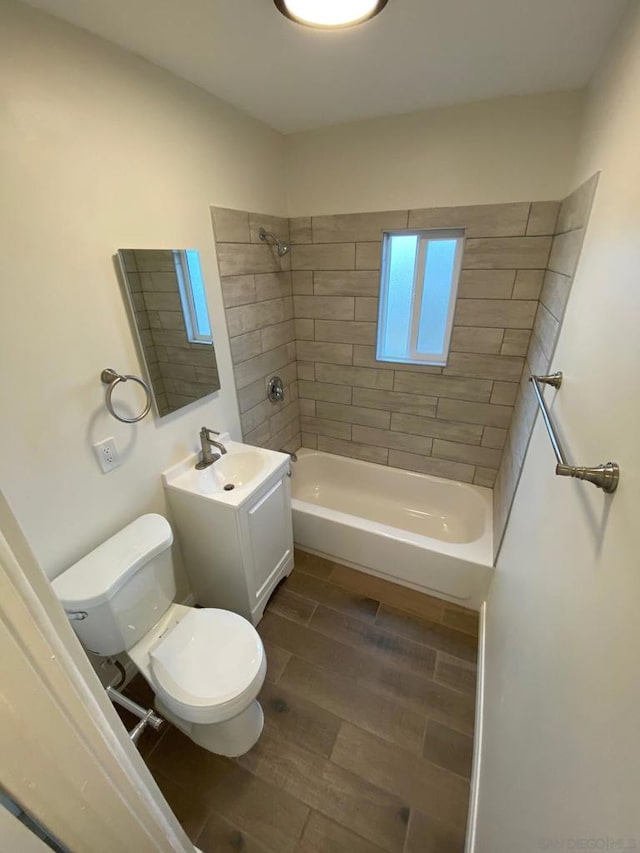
{"type": "Point", "coordinates": [208, 457]}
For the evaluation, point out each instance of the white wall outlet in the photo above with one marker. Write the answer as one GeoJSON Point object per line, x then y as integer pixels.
{"type": "Point", "coordinates": [107, 454]}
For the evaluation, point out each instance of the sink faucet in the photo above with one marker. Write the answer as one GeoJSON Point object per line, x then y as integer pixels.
{"type": "Point", "coordinates": [207, 443]}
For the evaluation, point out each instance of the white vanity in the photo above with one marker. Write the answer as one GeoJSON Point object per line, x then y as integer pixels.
{"type": "Point", "coordinates": [234, 523]}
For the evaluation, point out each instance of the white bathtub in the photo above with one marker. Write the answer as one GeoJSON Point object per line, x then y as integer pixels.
{"type": "Point", "coordinates": [430, 534]}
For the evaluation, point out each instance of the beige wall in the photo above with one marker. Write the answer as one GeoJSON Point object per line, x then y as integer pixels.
{"type": "Point", "coordinates": [561, 750]}
{"type": "Point", "coordinates": [100, 150]}
{"type": "Point", "coordinates": [503, 150]}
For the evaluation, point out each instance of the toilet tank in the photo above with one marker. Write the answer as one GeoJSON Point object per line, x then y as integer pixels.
{"type": "Point", "coordinates": [115, 594]}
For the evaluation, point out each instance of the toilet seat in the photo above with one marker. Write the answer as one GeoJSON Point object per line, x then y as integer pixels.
{"type": "Point", "coordinates": [209, 666]}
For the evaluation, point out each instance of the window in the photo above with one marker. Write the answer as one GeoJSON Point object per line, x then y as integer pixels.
{"type": "Point", "coordinates": [192, 296]}
{"type": "Point", "coordinates": [419, 282]}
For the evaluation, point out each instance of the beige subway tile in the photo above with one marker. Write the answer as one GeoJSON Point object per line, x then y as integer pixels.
{"type": "Point", "coordinates": [306, 369]}
{"type": "Point", "coordinates": [238, 290]}
{"type": "Point", "coordinates": [305, 330]}
{"type": "Point", "coordinates": [565, 252]}
{"type": "Point", "coordinates": [230, 226]}
{"type": "Point", "coordinates": [345, 331]}
{"type": "Point", "coordinates": [325, 352]}
{"type": "Point", "coordinates": [395, 402]}
{"type": "Point", "coordinates": [259, 436]}
{"type": "Point", "coordinates": [434, 428]}
{"type": "Point", "coordinates": [504, 393]}
{"type": "Point", "coordinates": [505, 367]}
{"type": "Point", "coordinates": [528, 284]}
{"type": "Point", "coordinates": [555, 293]}
{"type": "Point", "coordinates": [486, 284]}
{"type": "Point", "coordinates": [300, 229]}
{"type": "Point", "coordinates": [474, 413]}
{"type": "Point", "coordinates": [496, 313]}
{"type": "Point", "coordinates": [443, 386]}
{"type": "Point", "coordinates": [515, 342]}
{"type": "Point", "coordinates": [251, 395]}
{"type": "Point", "coordinates": [356, 227]}
{"type": "Point", "coordinates": [428, 465]}
{"type": "Point", "coordinates": [287, 304]}
{"type": "Point", "coordinates": [494, 437]}
{"type": "Point", "coordinates": [542, 218]}
{"type": "Point", "coordinates": [366, 308]}
{"type": "Point", "coordinates": [480, 220]}
{"type": "Point", "coordinates": [488, 457]}
{"type": "Point", "coordinates": [277, 225]}
{"type": "Point", "coordinates": [327, 256]}
{"type": "Point", "coordinates": [309, 440]}
{"type": "Point", "coordinates": [365, 356]}
{"type": "Point", "coordinates": [320, 426]}
{"type": "Point", "coordinates": [476, 339]}
{"type": "Point", "coordinates": [251, 420]}
{"type": "Point", "coordinates": [507, 253]}
{"type": "Point", "coordinates": [350, 448]}
{"type": "Point", "coordinates": [324, 307]}
{"type": "Point", "coordinates": [247, 318]}
{"type": "Point", "coordinates": [302, 282]}
{"type": "Point", "coordinates": [245, 259]}
{"type": "Point", "coordinates": [485, 477]}
{"type": "Point", "coordinates": [245, 346]}
{"type": "Point", "coordinates": [284, 415]}
{"type": "Point", "coordinates": [368, 256]}
{"type": "Point", "coordinates": [354, 415]}
{"type": "Point", "coordinates": [362, 377]}
{"type": "Point", "coordinates": [537, 360]}
{"type": "Point", "coordinates": [324, 391]}
{"type": "Point", "coordinates": [575, 208]}
{"type": "Point", "coordinates": [346, 283]}
{"type": "Point", "coordinates": [258, 367]}
{"type": "Point", "coordinates": [287, 437]}
{"type": "Point", "coordinates": [307, 407]}
{"type": "Point", "coordinates": [178, 371]}
{"type": "Point", "coordinates": [154, 301]}
{"type": "Point", "coordinates": [161, 282]}
{"type": "Point", "coordinates": [547, 330]}
{"type": "Point", "coordinates": [393, 440]}
{"type": "Point", "coordinates": [278, 334]}
{"type": "Point", "coordinates": [272, 285]}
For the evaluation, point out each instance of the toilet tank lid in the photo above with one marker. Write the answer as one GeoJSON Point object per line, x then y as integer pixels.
{"type": "Point", "coordinates": [98, 576]}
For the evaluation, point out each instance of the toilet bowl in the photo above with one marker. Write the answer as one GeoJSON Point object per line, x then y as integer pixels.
{"type": "Point", "coordinates": [205, 666]}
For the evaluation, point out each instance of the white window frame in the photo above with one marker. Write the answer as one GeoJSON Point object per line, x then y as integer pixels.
{"type": "Point", "coordinates": [424, 236]}
{"type": "Point", "coordinates": [186, 298]}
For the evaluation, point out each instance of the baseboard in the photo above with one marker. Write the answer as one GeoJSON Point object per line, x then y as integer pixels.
{"type": "Point", "coordinates": [472, 818]}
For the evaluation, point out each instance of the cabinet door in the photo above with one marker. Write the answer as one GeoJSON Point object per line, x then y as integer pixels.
{"type": "Point", "coordinates": [269, 536]}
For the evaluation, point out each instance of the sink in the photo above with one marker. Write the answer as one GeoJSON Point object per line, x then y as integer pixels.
{"type": "Point", "coordinates": [232, 478]}
{"type": "Point", "coordinates": [239, 468]}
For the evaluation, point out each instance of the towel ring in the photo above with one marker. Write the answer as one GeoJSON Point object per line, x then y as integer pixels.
{"type": "Point", "coordinates": [110, 378]}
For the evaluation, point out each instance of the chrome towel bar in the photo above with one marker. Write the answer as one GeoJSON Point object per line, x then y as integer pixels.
{"type": "Point", "coordinates": [605, 476]}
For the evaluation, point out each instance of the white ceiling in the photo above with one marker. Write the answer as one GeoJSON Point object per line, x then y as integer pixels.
{"type": "Point", "coordinates": [415, 55]}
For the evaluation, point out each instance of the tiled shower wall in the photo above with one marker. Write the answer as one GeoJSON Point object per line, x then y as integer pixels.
{"type": "Point", "coordinates": [565, 252]}
{"type": "Point", "coordinates": [451, 421]}
{"type": "Point", "coordinates": [256, 288]}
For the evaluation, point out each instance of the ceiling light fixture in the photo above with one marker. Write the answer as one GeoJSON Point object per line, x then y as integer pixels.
{"type": "Point", "coordinates": [330, 14]}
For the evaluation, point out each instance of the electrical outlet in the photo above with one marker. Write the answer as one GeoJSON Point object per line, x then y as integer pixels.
{"type": "Point", "coordinates": [107, 454]}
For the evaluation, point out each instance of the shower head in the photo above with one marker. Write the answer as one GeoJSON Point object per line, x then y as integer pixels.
{"type": "Point", "coordinates": [282, 248]}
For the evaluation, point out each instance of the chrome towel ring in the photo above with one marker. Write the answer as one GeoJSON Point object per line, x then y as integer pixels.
{"type": "Point", "coordinates": [110, 378]}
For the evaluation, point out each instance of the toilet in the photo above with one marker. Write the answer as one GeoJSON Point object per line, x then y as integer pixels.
{"type": "Point", "coordinates": [205, 666]}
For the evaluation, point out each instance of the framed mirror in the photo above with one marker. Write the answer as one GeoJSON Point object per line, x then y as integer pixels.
{"type": "Point", "coordinates": [168, 303]}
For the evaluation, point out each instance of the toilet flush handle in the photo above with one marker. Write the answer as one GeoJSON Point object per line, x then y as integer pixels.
{"type": "Point", "coordinates": [77, 615]}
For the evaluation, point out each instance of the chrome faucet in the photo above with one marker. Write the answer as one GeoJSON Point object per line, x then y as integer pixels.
{"type": "Point", "coordinates": [207, 443]}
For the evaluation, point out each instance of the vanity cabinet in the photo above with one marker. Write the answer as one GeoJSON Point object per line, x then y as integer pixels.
{"type": "Point", "coordinates": [235, 555]}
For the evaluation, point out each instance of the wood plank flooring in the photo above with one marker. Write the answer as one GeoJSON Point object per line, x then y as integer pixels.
{"type": "Point", "coordinates": [369, 710]}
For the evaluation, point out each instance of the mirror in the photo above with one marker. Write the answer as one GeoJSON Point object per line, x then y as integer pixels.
{"type": "Point", "coordinates": [169, 308]}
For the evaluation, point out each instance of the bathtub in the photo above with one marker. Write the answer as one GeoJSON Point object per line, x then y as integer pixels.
{"type": "Point", "coordinates": [424, 532]}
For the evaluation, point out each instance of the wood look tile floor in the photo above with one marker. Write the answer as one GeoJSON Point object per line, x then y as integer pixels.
{"type": "Point", "coordinates": [369, 711]}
